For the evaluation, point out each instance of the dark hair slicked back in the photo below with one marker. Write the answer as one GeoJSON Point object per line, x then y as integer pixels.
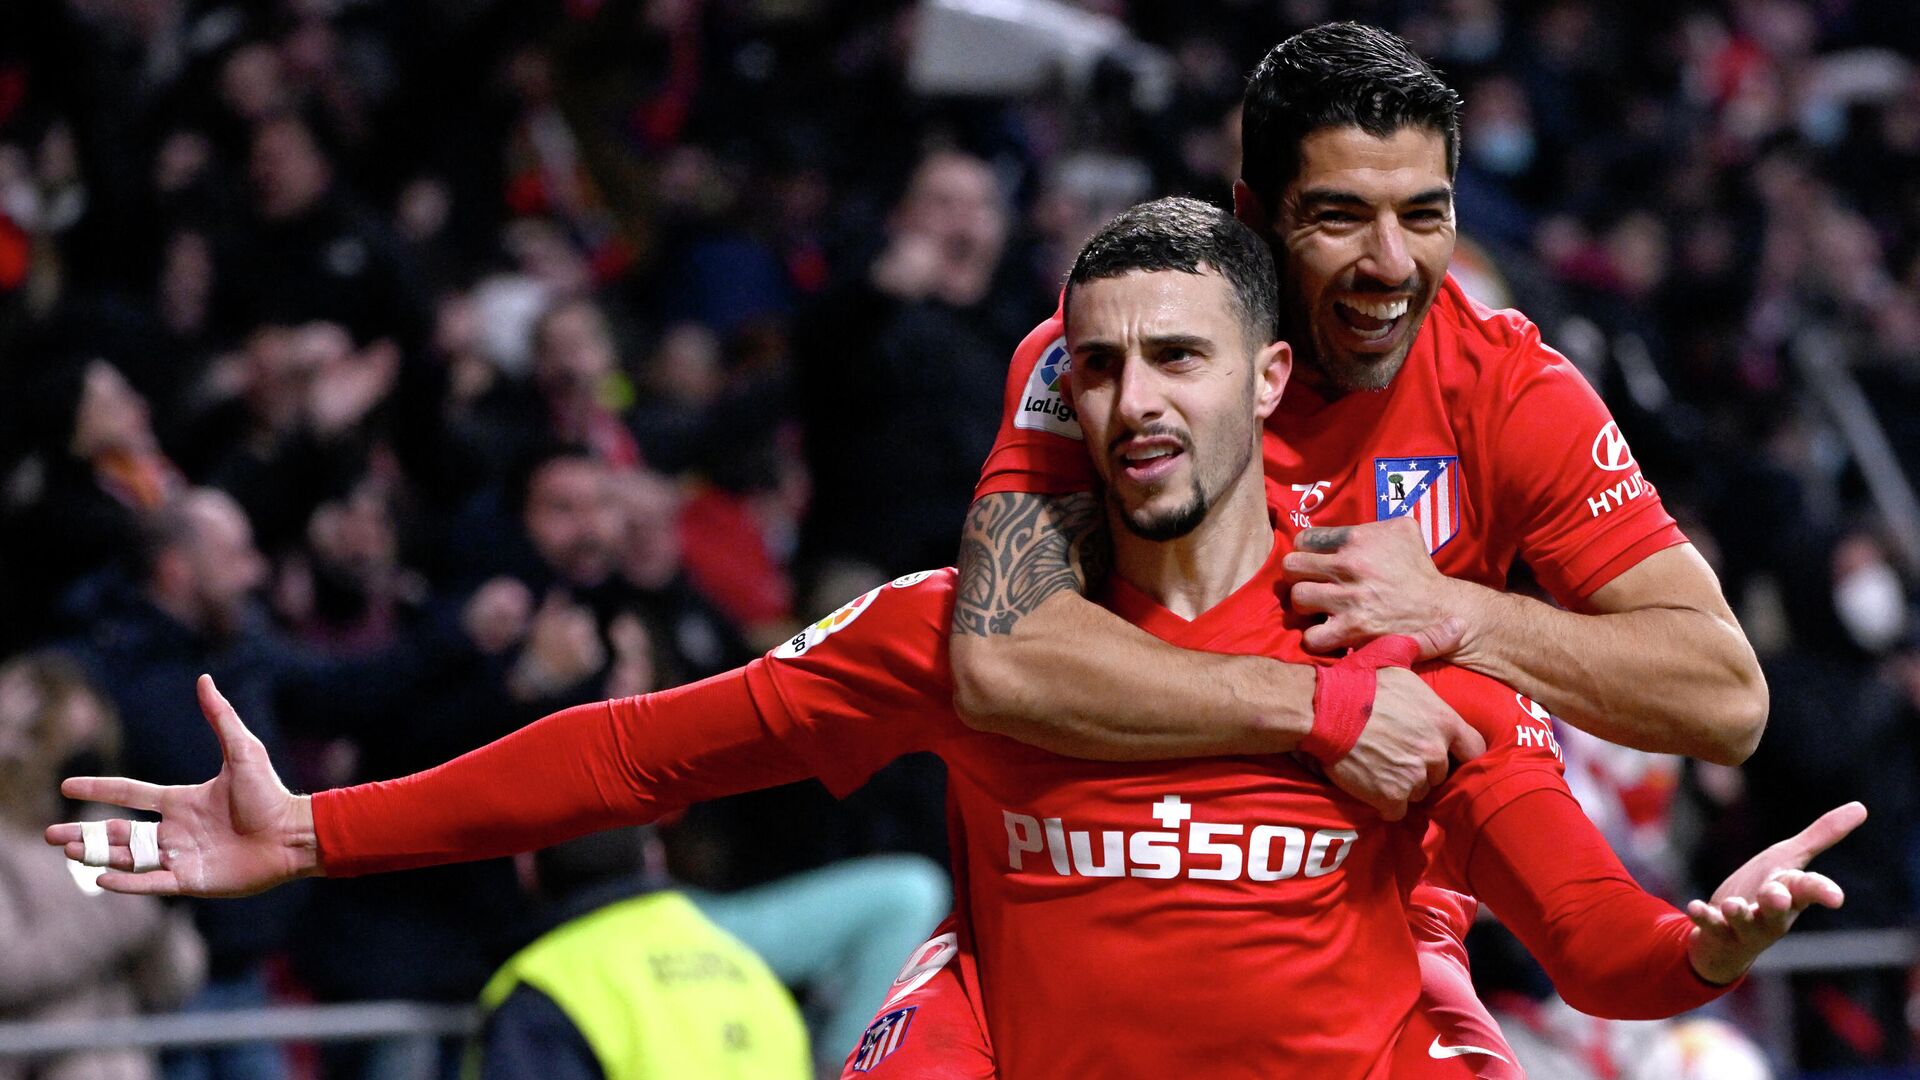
{"type": "Point", "coordinates": [1341, 74]}
{"type": "Point", "coordinates": [1189, 236]}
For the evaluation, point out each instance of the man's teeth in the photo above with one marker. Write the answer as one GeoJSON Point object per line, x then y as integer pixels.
{"type": "Point", "coordinates": [1148, 455]}
{"type": "Point", "coordinates": [1385, 309]}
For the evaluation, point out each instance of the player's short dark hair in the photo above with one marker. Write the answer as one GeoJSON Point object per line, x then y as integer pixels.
{"type": "Point", "coordinates": [1342, 74]}
{"type": "Point", "coordinates": [1189, 236]}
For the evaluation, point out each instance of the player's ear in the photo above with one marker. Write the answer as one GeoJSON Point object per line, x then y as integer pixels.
{"type": "Point", "coordinates": [1248, 208]}
{"type": "Point", "coordinates": [1272, 366]}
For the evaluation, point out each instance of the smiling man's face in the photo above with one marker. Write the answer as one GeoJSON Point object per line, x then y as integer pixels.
{"type": "Point", "coordinates": [1364, 234]}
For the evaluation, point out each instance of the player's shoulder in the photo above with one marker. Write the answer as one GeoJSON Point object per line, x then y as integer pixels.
{"type": "Point", "coordinates": [906, 609]}
{"type": "Point", "coordinates": [1474, 341]}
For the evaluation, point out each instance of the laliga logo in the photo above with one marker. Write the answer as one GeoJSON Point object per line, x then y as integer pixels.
{"type": "Point", "coordinates": [820, 631]}
{"type": "Point", "coordinates": [1044, 406]}
{"type": "Point", "coordinates": [1610, 450]}
{"type": "Point", "coordinates": [1054, 367]}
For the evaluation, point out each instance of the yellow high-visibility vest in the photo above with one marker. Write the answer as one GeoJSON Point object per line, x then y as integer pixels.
{"type": "Point", "coordinates": [660, 992]}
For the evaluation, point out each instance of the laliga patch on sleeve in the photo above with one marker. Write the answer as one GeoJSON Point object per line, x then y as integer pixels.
{"type": "Point", "coordinates": [1044, 405]}
{"type": "Point", "coordinates": [886, 1034]}
{"type": "Point", "coordinates": [825, 628]}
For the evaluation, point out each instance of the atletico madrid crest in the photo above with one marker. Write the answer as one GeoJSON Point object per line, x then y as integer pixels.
{"type": "Point", "coordinates": [1426, 489]}
{"type": "Point", "coordinates": [887, 1033]}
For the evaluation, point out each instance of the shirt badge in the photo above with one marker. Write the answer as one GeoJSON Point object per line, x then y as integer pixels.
{"type": "Point", "coordinates": [1426, 489]}
{"type": "Point", "coordinates": [1043, 406]}
{"type": "Point", "coordinates": [887, 1033]}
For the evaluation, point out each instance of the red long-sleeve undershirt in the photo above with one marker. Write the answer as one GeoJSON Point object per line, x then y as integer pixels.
{"type": "Point", "coordinates": [577, 771]}
{"type": "Point", "coordinates": [1611, 949]}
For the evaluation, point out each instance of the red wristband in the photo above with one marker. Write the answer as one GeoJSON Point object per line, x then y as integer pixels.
{"type": "Point", "coordinates": [1343, 695]}
{"type": "Point", "coordinates": [1342, 701]}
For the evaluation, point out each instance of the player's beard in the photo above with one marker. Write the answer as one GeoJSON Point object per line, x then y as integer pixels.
{"type": "Point", "coordinates": [1172, 525]}
{"type": "Point", "coordinates": [1342, 370]}
{"type": "Point", "coordinates": [1208, 485]}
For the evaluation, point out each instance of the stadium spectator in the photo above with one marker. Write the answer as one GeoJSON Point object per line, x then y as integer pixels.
{"type": "Point", "coordinates": [315, 252]}
{"type": "Point", "coordinates": [630, 982]}
{"type": "Point", "coordinates": [74, 953]}
{"type": "Point", "coordinates": [97, 471]}
{"type": "Point", "coordinates": [1688, 199]}
{"type": "Point", "coordinates": [899, 375]}
{"type": "Point", "coordinates": [195, 608]}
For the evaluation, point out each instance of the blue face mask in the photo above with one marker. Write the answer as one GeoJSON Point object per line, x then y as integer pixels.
{"type": "Point", "coordinates": [1503, 149]}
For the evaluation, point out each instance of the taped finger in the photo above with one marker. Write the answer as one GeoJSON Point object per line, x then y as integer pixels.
{"type": "Point", "coordinates": [93, 838]}
{"type": "Point", "coordinates": [145, 845]}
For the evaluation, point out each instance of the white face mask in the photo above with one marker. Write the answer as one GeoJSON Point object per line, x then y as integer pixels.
{"type": "Point", "coordinates": [1872, 605]}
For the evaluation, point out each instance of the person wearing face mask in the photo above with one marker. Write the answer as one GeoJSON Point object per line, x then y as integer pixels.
{"type": "Point", "coordinates": [1842, 722]}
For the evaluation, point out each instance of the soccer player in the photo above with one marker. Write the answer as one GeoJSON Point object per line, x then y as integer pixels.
{"type": "Point", "coordinates": [1425, 445]}
{"type": "Point", "coordinates": [1236, 916]}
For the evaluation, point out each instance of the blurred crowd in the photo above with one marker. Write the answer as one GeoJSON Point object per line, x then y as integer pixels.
{"type": "Point", "coordinates": [421, 368]}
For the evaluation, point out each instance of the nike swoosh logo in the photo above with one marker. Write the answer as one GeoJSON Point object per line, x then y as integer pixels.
{"type": "Point", "coordinates": [1438, 1051]}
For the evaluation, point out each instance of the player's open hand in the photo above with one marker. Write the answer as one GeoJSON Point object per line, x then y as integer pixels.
{"type": "Point", "coordinates": [1410, 741]}
{"type": "Point", "coordinates": [1754, 907]}
{"type": "Point", "coordinates": [239, 833]}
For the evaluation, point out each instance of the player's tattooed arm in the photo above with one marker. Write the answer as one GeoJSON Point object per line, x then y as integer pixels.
{"type": "Point", "coordinates": [1020, 549]}
{"type": "Point", "coordinates": [1034, 660]}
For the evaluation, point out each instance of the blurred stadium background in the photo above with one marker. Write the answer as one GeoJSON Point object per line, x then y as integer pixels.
{"type": "Point", "coordinates": [551, 351]}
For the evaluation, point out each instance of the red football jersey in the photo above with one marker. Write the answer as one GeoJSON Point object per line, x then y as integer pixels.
{"type": "Point", "coordinates": [1251, 922]}
{"type": "Point", "coordinates": [1488, 438]}
{"type": "Point", "coordinates": [1185, 904]}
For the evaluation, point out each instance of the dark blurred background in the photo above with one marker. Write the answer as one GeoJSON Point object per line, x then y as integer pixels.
{"type": "Point", "coordinates": [420, 368]}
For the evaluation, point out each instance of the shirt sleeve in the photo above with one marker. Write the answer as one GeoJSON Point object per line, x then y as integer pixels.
{"type": "Point", "coordinates": [1039, 449]}
{"type": "Point", "coordinates": [1521, 756]}
{"type": "Point", "coordinates": [1517, 838]}
{"type": "Point", "coordinates": [866, 684]}
{"type": "Point", "coordinates": [1580, 509]}
{"type": "Point", "coordinates": [802, 711]}
{"type": "Point", "coordinates": [1612, 949]}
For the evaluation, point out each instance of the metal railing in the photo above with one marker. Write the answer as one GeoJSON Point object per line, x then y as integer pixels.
{"type": "Point", "coordinates": [420, 1023]}
{"type": "Point", "coordinates": [416, 1027]}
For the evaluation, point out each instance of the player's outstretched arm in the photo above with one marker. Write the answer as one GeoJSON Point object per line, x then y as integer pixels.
{"type": "Point", "coordinates": [1034, 660]}
{"type": "Point", "coordinates": [239, 833]}
{"type": "Point", "coordinates": [1759, 902]}
{"type": "Point", "coordinates": [1614, 950]}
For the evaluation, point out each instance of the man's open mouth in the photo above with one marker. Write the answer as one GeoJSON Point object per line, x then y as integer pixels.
{"type": "Point", "coordinates": [1371, 320]}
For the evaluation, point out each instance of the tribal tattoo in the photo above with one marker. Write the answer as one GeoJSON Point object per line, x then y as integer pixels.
{"type": "Point", "coordinates": [1018, 549]}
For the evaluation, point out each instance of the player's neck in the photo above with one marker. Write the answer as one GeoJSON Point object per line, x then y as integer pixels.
{"type": "Point", "coordinates": [1193, 573]}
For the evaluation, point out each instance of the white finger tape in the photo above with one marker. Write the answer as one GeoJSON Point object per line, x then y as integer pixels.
{"type": "Point", "coordinates": [145, 843]}
{"type": "Point", "coordinates": [93, 836]}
